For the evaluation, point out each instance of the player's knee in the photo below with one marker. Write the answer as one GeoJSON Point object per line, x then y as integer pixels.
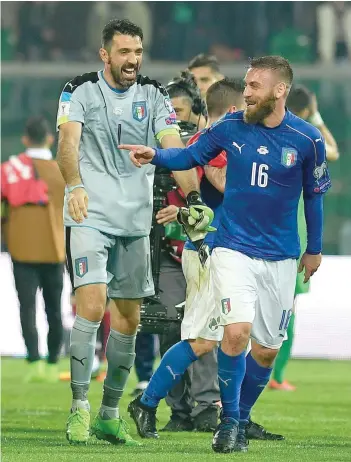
{"type": "Point", "coordinates": [91, 301]}
{"type": "Point", "coordinates": [202, 346]}
{"type": "Point", "coordinates": [262, 355]}
{"type": "Point", "coordinates": [236, 337]}
{"type": "Point", "coordinates": [125, 316]}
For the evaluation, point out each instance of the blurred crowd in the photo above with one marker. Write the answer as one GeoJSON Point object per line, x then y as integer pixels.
{"type": "Point", "coordinates": [303, 32]}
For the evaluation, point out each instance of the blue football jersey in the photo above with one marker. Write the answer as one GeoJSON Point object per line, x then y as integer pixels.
{"type": "Point", "coordinates": [266, 172]}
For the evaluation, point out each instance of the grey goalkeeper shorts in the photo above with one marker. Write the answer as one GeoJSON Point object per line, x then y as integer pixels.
{"type": "Point", "coordinates": [122, 263]}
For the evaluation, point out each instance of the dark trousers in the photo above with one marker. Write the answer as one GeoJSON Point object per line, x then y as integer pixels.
{"type": "Point", "coordinates": [144, 356]}
{"type": "Point", "coordinates": [198, 389]}
{"type": "Point", "coordinates": [48, 277]}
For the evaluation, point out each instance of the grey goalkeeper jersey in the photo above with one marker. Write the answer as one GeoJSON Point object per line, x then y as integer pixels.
{"type": "Point", "coordinates": [120, 195]}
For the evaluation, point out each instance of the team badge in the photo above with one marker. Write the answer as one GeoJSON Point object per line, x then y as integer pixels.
{"type": "Point", "coordinates": [226, 308]}
{"type": "Point", "coordinates": [139, 111]}
{"type": "Point", "coordinates": [81, 265]}
{"type": "Point", "coordinates": [289, 157]}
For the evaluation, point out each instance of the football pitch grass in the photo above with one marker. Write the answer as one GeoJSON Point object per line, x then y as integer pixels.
{"type": "Point", "coordinates": [315, 421]}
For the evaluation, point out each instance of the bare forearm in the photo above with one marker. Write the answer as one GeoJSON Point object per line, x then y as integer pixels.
{"type": "Point", "coordinates": [187, 180]}
{"type": "Point", "coordinates": [67, 159]}
{"type": "Point", "coordinates": [216, 176]}
{"type": "Point", "coordinates": [330, 143]}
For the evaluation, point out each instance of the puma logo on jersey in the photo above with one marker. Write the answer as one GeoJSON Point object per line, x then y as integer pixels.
{"type": "Point", "coordinates": [72, 86]}
{"type": "Point", "coordinates": [226, 382]}
{"type": "Point", "coordinates": [318, 139]}
{"type": "Point", "coordinates": [171, 372]}
{"type": "Point", "coordinates": [239, 148]}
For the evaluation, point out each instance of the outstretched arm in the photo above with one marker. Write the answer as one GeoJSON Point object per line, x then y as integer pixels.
{"type": "Point", "coordinates": [186, 180]}
{"type": "Point", "coordinates": [206, 148]}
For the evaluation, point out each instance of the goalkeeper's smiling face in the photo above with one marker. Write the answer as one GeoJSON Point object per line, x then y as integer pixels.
{"type": "Point", "coordinates": [124, 59]}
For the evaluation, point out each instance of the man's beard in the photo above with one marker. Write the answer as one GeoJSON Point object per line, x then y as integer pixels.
{"type": "Point", "coordinates": [261, 111]}
{"type": "Point", "coordinates": [121, 79]}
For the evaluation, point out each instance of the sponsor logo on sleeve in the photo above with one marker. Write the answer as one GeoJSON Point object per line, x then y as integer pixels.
{"type": "Point", "coordinates": [169, 105]}
{"type": "Point", "coordinates": [319, 171]}
{"type": "Point", "coordinates": [172, 119]}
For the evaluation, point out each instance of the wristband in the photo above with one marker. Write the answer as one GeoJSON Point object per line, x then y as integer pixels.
{"type": "Point", "coordinates": [194, 198]}
{"type": "Point", "coordinates": [72, 188]}
{"type": "Point", "coordinates": [316, 119]}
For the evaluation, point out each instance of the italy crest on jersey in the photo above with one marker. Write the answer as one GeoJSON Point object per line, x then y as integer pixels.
{"type": "Point", "coordinates": [81, 266]}
{"type": "Point", "coordinates": [226, 307]}
{"type": "Point", "coordinates": [139, 110]}
{"type": "Point", "coordinates": [289, 157]}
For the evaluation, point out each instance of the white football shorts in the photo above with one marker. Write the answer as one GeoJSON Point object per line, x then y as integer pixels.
{"type": "Point", "coordinates": [256, 291]}
{"type": "Point", "coordinates": [201, 318]}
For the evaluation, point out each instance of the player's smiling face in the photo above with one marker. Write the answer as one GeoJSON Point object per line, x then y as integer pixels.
{"type": "Point", "coordinates": [259, 94]}
{"type": "Point", "coordinates": [124, 59]}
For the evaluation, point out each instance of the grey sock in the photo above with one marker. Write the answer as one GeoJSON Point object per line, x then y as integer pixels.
{"type": "Point", "coordinates": [120, 355]}
{"type": "Point", "coordinates": [82, 351]}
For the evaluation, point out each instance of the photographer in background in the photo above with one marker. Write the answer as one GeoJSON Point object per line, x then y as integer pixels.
{"type": "Point", "coordinates": [200, 383]}
{"type": "Point", "coordinates": [190, 110]}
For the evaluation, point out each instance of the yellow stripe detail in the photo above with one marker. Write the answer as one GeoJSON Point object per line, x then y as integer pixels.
{"type": "Point", "coordinates": [167, 131]}
{"type": "Point", "coordinates": [63, 119]}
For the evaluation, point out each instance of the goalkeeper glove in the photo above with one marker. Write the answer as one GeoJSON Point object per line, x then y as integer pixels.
{"type": "Point", "coordinates": [195, 236]}
{"type": "Point", "coordinates": [200, 216]}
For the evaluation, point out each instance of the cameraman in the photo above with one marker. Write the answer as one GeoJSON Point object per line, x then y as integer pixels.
{"type": "Point", "coordinates": [200, 383]}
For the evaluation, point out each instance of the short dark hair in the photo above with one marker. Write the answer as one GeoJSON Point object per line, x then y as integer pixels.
{"type": "Point", "coordinates": [204, 60]}
{"type": "Point", "coordinates": [183, 86]}
{"type": "Point", "coordinates": [222, 94]}
{"type": "Point", "coordinates": [299, 98]}
{"type": "Point", "coordinates": [276, 63]}
{"type": "Point", "coordinates": [119, 26]}
{"type": "Point", "coordinates": [37, 129]}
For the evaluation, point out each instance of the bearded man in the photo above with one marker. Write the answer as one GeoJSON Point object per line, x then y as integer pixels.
{"type": "Point", "coordinates": [108, 213]}
{"type": "Point", "coordinates": [272, 156]}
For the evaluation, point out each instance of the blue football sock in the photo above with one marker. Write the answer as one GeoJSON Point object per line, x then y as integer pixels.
{"type": "Point", "coordinates": [231, 371]}
{"type": "Point", "coordinates": [173, 365]}
{"type": "Point", "coordinates": [255, 381]}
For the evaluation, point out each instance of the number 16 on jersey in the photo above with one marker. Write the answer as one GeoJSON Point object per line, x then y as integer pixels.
{"type": "Point", "coordinates": [259, 176]}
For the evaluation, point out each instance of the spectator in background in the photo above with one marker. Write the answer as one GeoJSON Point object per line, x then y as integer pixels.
{"type": "Point", "coordinates": [32, 192]}
{"type": "Point", "coordinates": [35, 33]}
{"type": "Point", "coordinates": [102, 12]}
{"type": "Point", "coordinates": [334, 31]}
{"type": "Point", "coordinates": [205, 69]}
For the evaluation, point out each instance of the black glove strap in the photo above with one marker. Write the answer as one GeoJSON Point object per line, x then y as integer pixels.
{"type": "Point", "coordinates": [194, 198]}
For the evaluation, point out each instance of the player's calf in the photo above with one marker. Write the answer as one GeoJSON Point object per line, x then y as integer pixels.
{"type": "Point", "coordinates": [173, 365]}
